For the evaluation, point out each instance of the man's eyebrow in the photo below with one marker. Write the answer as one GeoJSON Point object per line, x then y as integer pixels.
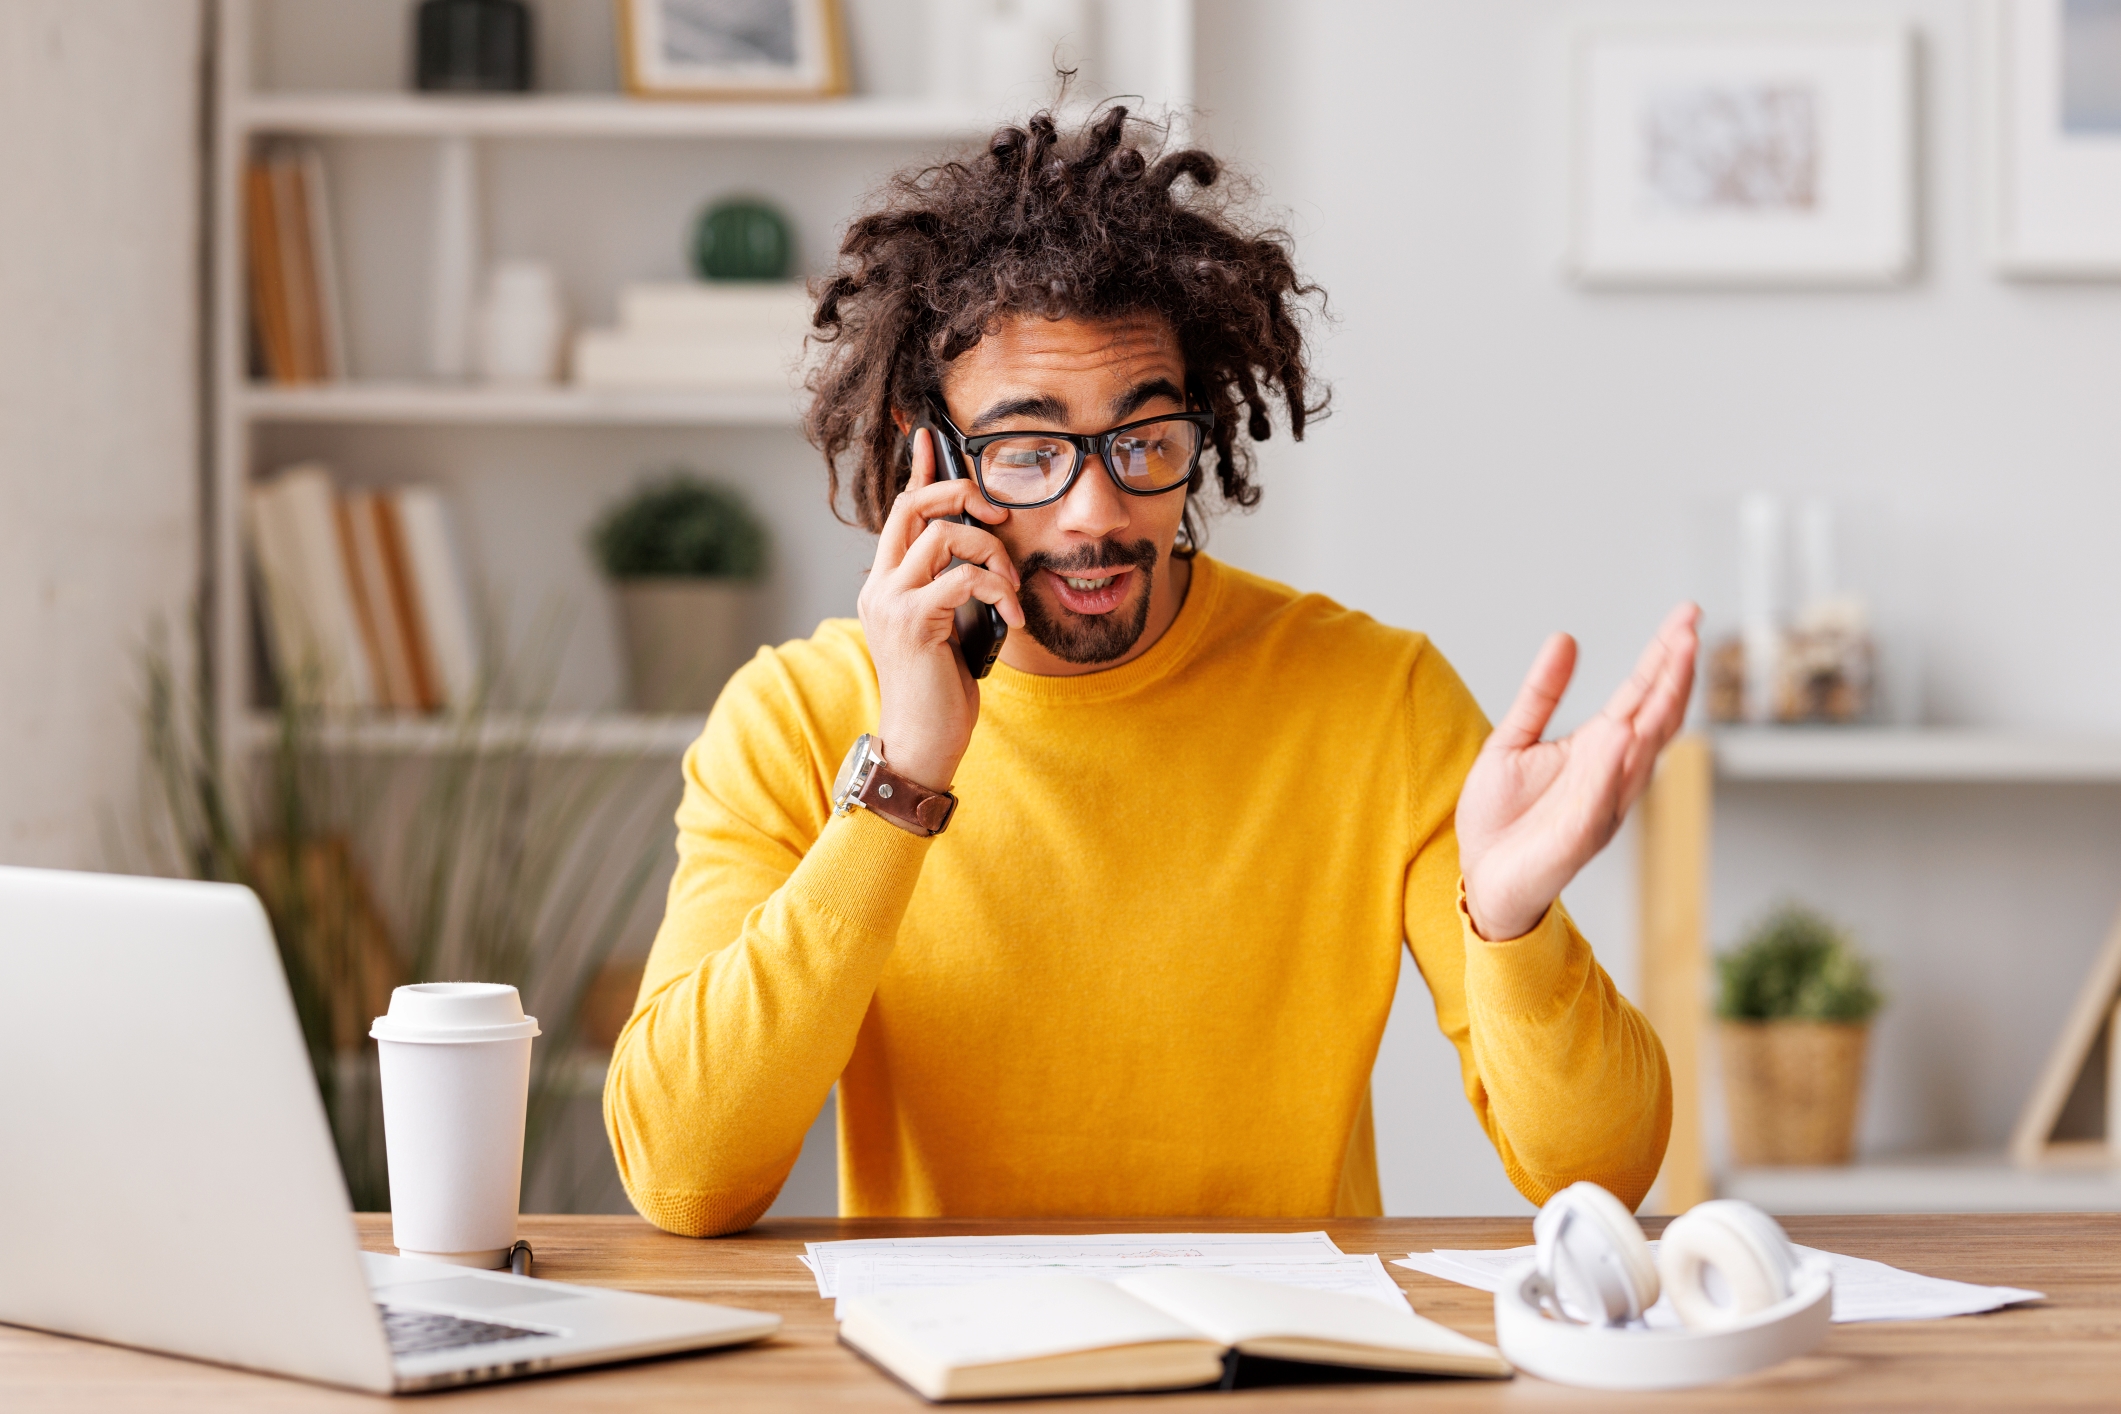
{"type": "Point", "coordinates": [1043, 405]}
{"type": "Point", "coordinates": [1131, 401]}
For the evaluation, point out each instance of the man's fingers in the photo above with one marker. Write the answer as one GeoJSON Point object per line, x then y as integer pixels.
{"type": "Point", "coordinates": [1674, 639]}
{"type": "Point", "coordinates": [965, 583]}
{"type": "Point", "coordinates": [942, 541]}
{"type": "Point", "coordinates": [1528, 716]}
{"type": "Point", "coordinates": [924, 502]}
{"type": "Point", "coordinates": [1662, 713]}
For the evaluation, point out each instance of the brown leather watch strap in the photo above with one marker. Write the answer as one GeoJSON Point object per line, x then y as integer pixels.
{"type": "Point", "coordinates": [907, 804]}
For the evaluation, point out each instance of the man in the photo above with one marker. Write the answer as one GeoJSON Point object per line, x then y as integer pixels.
{"type": "Point", "coordinates": [1144, 966]}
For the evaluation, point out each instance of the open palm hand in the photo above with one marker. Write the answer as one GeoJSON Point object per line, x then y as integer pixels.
{"type": "Point", "coordinates": [1533, 812]}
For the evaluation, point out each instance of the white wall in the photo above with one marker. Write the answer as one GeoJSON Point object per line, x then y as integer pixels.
{"type": "Point", "coordinates": [98, 449]}
{"type": "Point", "coordinates": [1509, 455]}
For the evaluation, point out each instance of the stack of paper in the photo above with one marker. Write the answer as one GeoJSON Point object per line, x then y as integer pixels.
{"type": "Point", "coordinates": [697, 335]}
{"type": "Point", "coordinates": [1863, 1290]}
{"type": "Point", "coordinates": [1302, 1259]}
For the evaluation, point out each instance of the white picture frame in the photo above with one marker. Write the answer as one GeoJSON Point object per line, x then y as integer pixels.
{"type": "Point", "coordinates": [2053, 136]}
{"type": "Point", "coordinates": [732, 48]}
{"type": "Point", "coordinates": [1742, 154]}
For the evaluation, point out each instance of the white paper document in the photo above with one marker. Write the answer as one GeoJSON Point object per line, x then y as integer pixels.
{"type": "Point", "coordinates": [1303, 1259]}
{"type": "Point", "coordinates": [1863, 1290]}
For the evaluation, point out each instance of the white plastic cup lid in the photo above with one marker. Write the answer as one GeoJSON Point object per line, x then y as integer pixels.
{"type": "Point", "coordinates": [442, 1013]}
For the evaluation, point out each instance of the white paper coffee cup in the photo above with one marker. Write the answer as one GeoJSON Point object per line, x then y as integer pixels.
{"type": "Point", "coordinates": [455, 1061]}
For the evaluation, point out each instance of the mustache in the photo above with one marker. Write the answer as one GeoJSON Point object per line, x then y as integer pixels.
{"type": "Point", "coordinates": [1102, 555]}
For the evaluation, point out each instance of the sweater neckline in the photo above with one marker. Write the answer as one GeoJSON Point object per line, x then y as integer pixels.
{"type": "Point", "coordinates": [1164, 657]}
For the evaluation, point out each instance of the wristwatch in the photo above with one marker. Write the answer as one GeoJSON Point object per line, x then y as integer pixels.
{"type": "Point", "coordinates": [866, 781]}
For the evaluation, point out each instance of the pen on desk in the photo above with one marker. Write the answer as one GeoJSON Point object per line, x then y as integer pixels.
{"type": "Point", "coordinates": [519, 1258]}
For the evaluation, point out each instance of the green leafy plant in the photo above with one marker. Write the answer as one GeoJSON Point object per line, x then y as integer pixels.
{"type": "Point", "coordinates": [680, 526]}
{"type": "Point", "coordinates": [1795, 965]}
{"type": "Point", "coordinates": [478, 857]}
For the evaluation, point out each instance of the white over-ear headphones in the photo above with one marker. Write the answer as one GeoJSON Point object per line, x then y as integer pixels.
{"type": "Point", "coordinates": [1573, 1314]}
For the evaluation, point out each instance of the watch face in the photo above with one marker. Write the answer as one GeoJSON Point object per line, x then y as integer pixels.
{"type": "Point", "coordinates": [852, 770]}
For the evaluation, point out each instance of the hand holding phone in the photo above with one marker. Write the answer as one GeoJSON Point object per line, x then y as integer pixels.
{"type": "Point", "coordinates": [927, 700]}
{"type": "Point", "coordinates": [981, 628]}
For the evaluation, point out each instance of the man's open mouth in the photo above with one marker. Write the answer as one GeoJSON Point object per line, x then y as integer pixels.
{"type": "Point", "coordinates": [1092, 593]}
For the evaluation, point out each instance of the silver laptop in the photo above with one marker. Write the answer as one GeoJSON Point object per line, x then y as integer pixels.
{"type": "Point", "coordinates": [167, 1179]}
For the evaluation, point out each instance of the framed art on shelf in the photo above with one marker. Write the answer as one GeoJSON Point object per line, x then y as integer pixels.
{"type": "Point", "coordinates": [2054, 137]}
{"type": "Point", "coordinates": [732, 48]}
{"type": "Point", "coordinates": [1722, 155]}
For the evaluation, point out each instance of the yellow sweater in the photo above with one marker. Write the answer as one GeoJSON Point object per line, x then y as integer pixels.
{"type": "Point", "coordinates": [1143, 973]}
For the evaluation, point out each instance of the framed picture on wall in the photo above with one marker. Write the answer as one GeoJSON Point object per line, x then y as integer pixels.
{"type": "Point", "coordinates": [2054, 136]}
{"type": "Point", "coordinates": [732, 48]}
{"type": "Point", "coordinates": [1743, 155]}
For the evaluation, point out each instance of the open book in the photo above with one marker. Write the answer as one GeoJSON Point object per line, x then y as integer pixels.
{"type": "Point", "coordinates": [1167, 1329]}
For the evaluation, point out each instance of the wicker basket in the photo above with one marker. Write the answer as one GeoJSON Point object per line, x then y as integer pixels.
{"type": "Point", "coordinates": [1792, 1089]}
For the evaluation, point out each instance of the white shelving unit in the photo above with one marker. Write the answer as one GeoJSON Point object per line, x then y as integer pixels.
{"type": "Point", "coordinates": [601, 186]}
{"type": "Point", "coordinates": [622, 734]}
{"type": "Point", "coordinates": [1913, 755]}
{"type": "Point", "coordinates": [595, 116]}
{"type": "Point", "coordinates": [407, 403]}
{"type": "Point", "coordinates": [1938, 1183]}
{"type": "Point", "coordinates": [1677, 851]}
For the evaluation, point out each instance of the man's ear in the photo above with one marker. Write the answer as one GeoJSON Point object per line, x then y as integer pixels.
{"type": "Point", "coordinates": [903, 422]}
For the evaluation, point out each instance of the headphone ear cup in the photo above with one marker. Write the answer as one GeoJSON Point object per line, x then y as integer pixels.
{"type": "Point", "coordinates": [1593, 1254]}
{"type": "Point", "coordinates": [1724, 1260]}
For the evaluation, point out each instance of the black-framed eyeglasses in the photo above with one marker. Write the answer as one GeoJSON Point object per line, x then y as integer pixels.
{"type": "Point", "coordinates": [1024, 470]}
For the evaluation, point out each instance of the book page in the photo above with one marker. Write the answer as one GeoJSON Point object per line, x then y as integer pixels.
{"type": "Point", "coordinates": [1074, 1253]}
{"type": "Point", "coordinates": [1362, 1276]}
{"type": "Point", "coordinates": [1026, 1318]}
{"type": "Point", "coordinates": [1235, 1309]}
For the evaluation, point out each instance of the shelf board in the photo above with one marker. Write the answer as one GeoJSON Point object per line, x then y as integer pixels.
{"type": "Point", "coordinates": [1938, 1183]}
{"type": "Point", "coordinates": [418, 403]}
{"type": "Point", "coordinates": [554, 734]}
{"type": "Point", "coordinates": [567, 115]}
{"type": "Point", "coordinates": [1912, 755]}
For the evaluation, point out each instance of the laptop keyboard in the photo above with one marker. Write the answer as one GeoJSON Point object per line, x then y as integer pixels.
{"type": "Point", "coordinates": [422, 1332]}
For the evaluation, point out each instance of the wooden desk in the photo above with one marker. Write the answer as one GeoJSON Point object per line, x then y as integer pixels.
{"type": "Point", "coordinates": [2063, 1353]}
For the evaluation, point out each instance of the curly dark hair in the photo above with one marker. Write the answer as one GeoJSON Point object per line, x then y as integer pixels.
{"type": "Point", "coordinates": [1090, 225]}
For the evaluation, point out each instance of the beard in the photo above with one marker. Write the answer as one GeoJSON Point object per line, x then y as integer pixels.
{"type": "Point", "coordinates": [1089, 638]}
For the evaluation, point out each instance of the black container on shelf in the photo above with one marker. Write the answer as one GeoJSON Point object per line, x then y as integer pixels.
{"type": "Point", "coordinates": [471, 46]}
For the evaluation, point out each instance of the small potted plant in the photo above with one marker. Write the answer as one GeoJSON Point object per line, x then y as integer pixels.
{"type": "Point", "coordinates": [1795, 1002]}
{"type": "Point", "coordinates": [685, 557]}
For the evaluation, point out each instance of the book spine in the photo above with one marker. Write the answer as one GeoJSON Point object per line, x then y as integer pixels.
{"type": "Point", "coordinates": [379, 613]}
{"type": "Point", "coordinates": [439, 585]}
{"type": "Point", "coordinates": [291, 220]}
{"type": "Point", "coordinates": [324, 261]}
{"type": "Point", "coordinates": [289, 643]}
{"type": "Point", "coordinates": [366, 629]}
{"type": "Point", "coordinates": [405, 604]}
{"type": "Point", "coordinates": [268, 309]}
{"type": "Point", "coordinates": [327, 588]}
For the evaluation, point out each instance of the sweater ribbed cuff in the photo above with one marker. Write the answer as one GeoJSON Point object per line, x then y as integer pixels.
{"type": "Point", "coordinates": [862, 871]}
{"type": "Point", "coordinates": [1522, 974]}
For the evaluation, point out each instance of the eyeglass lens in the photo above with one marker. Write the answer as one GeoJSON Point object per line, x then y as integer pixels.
{"type": "Point", "coordinates": [1024, 470]}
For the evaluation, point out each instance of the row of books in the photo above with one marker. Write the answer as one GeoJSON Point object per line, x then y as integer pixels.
{"type": "Point", "coordinates": [364, 594]}
{"type": "Point", "coordinates": [297, 324]}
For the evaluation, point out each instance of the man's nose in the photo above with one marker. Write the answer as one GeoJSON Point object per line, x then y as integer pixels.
{"type": "Point", "coordinates": [1093, 506]}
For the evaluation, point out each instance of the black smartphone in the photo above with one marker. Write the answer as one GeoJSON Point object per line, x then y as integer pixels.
{"type": "Point", "coordinates": [980, 626]}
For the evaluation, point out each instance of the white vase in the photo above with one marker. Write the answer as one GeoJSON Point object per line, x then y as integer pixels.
{"type": "Point", "coordinates": [522, 324]}
{"type": "Point", "coordinates": [455, 259]}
